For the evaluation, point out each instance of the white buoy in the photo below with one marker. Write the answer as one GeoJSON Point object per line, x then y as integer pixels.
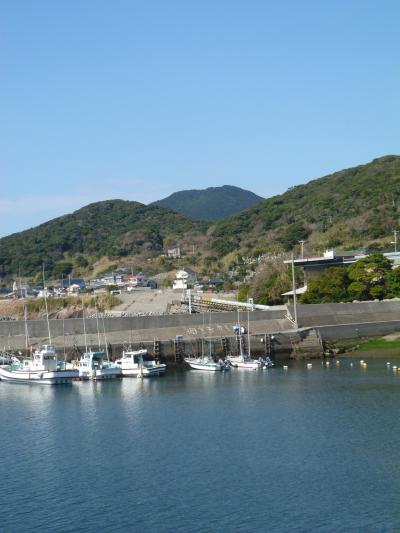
{"type": "Point", "coordinates": [285, 367]}
{"type": "Point", "coordinates": [309, 365]}
{"type": "Point", "coordinates": [352, 364]}
{"type": "Point", "coordinates": [394, 368]}
{"type": "Point", "coordinates": [328, 363]}
{"type": "Point", "coordinates": [338, 362]}
{"type": "Point", "coordinates": [362, 361]}
{"type": "Point", "coordinates": [388, 363]}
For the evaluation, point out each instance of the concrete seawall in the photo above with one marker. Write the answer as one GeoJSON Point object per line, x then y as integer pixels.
{"type": "Point", "coordinates": [333, 322]}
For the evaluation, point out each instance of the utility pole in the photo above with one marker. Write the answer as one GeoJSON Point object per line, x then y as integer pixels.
{"type": "Point", "coordinates": [294, 295]}
{"type": "Point", "coordinates": [302, 248]}
{"type": "Point", "coordinates": [395, 232]}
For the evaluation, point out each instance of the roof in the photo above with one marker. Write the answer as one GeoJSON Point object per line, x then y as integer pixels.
{"type": "Point", "coordinates": [299, 290]}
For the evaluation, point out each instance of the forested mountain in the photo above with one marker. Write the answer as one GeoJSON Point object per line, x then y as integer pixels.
{"type": "Point", "coordinates": [354, 207]}
{"type": "Point", "coordinates": [213, 203]}
{"type": "Point", "coordinates": [114, 228]}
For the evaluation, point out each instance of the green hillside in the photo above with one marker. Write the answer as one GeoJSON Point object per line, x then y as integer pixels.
{"type": "Point", "coordinates": [113, 228]}
{"type": "Point", "coordinates": [348, 209]}
{"type": "Point", "coordinates": [213, 203]}
{"type": "Point", "coordinates": [353, 208]}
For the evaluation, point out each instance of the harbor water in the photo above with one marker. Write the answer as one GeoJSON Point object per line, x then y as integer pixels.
{"type": "Point", "coordinates": [302, 449]}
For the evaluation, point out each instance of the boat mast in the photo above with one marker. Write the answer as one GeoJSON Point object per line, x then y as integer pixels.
{"type": "Point", "coordinates": [105, 338]}
{"type": "Point", "coordinates": [26, 327]}
{"type": "Point", "coordinates": [240, 335]}
{"type": "Point", "coordinates": [84, 326]}
{"type": "Point", "coordinates": [97, 322]}
{"type": "Point", "coordinates": [248, 333]}
{"type": "Point", "coordinates": [209, 339]}
{"type": "Point", "coordinates": [47, 310]}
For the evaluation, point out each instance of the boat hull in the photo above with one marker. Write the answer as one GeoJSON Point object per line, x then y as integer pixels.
{"type": "Point", "coordinates": [145, 371]}
{"type": "Point", "coordinates": [207, 367]}
{"type": "Point", "coordinates": [249, 365]}
{"type": "Point", "coordinates": [99, 374]}
{"type": "Point", "coordinates": [41, 377]}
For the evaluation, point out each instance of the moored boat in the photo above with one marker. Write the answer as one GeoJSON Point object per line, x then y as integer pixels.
{"type": "Point", "coordinates": [93, 366]}
{"type": "Point", "coordinates": [41, 368]}
{"type": "Point", "coordinates": [204, 363]}
{"type": "Point", "coordinates": [133, 363]}
{"type": "Point", "coordinates": [244, 360]}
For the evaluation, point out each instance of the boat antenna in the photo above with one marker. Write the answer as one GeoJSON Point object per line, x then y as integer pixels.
{"type": "Point", "coordinates": [47, 310]}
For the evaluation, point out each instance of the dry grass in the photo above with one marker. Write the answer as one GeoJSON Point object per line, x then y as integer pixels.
{"type": "Point", "coordinates": [67, 307]}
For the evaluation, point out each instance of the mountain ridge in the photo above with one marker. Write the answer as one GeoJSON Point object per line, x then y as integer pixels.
{"type": "Point", "coordinates": [352, 208]}
{"type": "Point", "coordinates": [212, 203]}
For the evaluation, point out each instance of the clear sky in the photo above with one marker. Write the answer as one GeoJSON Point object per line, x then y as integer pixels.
{"type": "Point", "coordinates": [137, 99]}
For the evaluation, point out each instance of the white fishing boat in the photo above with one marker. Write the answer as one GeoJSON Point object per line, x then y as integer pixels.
{"type": "Point", "coordinates": [93, 365]}
{"type": "Point", "coordinates": [133, 363]}
{"type": "Point", "coordinates": [41, 368]}
{"type": "Point", "coordinates": [96, 365]}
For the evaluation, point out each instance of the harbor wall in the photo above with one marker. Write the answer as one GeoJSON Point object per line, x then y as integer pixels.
{"type": "Point", "coordinates": [333, 322]}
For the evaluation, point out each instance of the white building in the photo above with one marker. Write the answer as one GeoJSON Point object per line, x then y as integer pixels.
{"type": "Point", "coordinates": [184, 279]}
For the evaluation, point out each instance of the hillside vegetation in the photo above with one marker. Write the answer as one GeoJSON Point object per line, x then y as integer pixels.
{"type": "Point", "coordinates": [113, 228]}
{"type": "Point", "coordinates": [350, 209]}
{"type": "Point", "coordinates": [347, 209]}
{"type": "Point", "coordinates": [213, 203]}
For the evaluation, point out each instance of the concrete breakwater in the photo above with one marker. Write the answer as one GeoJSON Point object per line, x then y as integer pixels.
{"type": "Point", "coordinates": [270, 330]}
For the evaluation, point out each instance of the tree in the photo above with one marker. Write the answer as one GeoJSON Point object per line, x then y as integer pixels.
{"type": "Point", "coordinates": [371, 272]}
{"type": "Point", "coordinates": [329, 286]}
{"type": "Point", "coordinates": [393, 283]}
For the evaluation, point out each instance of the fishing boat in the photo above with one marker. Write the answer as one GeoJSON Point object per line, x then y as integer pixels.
{"type": "Point", "coordinates": [94, 365]}
{"type": "Point", "coordinates": [41, 368]}
{"type": "Point", "coordinates": [134, 363]}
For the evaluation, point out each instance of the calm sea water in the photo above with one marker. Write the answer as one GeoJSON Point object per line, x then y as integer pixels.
{"type": "Point", "coordinates": [302, 450]}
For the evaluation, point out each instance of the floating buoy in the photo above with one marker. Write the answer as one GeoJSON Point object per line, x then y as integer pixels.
{"type": "Point", "coordinates": [338, 362]}
{"type": "Point", "coordinates": [362, 361]}
{"type": "Point", "coordinates": [394, 368]}
{"type": "Point", "coordinates": [309, 365]}
{"type": "Point", "coordinates": [352, 364]}
{"type": "Point", "coordinates": [388, 363]}
{"type": "Point", "coordinates": [285, 367]}
{"type": "Point", "coordinates": [328, 363]}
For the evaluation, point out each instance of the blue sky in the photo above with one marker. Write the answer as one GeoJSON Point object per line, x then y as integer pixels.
{"type": "Point", "coordinates": [135, 100]}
